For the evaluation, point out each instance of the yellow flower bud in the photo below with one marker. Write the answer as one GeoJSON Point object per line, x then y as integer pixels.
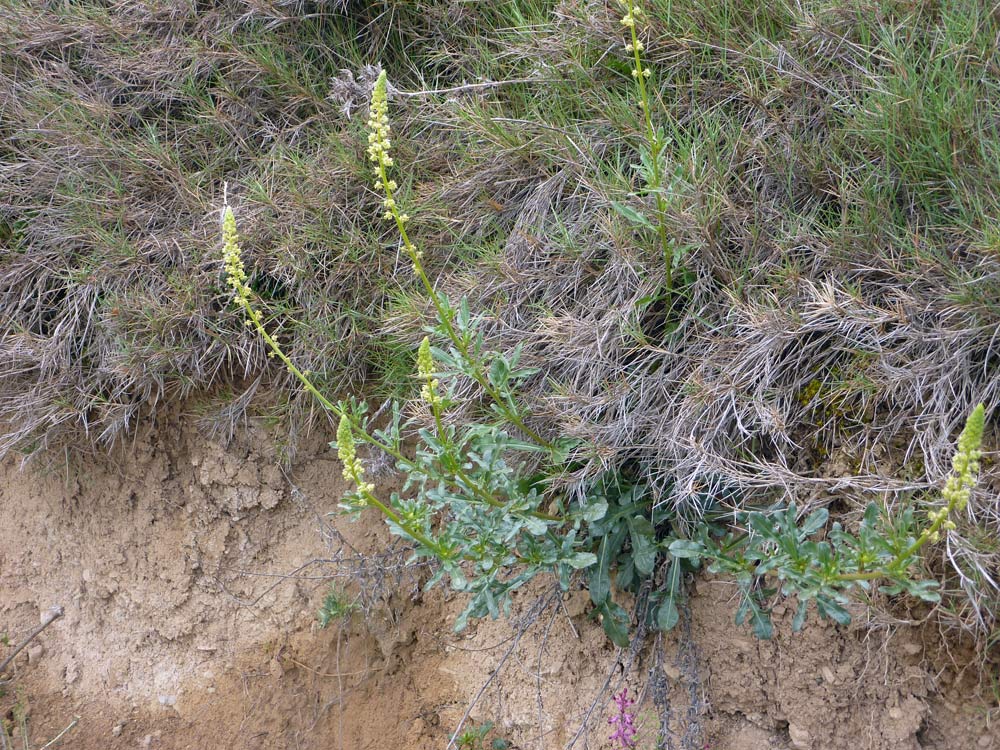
{"type": "Point", "coordinates": [232, 258]}
{"type": "Point", "coordinates": [965, 463]}
{"type": "Point", "coordinates": [353, 470]}
{"type": "Point", "coordinates": [425, 370]}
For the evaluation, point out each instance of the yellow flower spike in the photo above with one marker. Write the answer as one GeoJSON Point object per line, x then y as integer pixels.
{"type": "Point", "coordinates": [353, 470]}
{"type": "Point", "coordinates": [425, 370]}
{"type": "Point", "coordinates": [425, 360]}
{"type": "Point", "coordinates": [958, 488]}
{"type": "Point", "coordinates": [232, 257]}
{"type": "Point", "coordinates": [345, 442]}
{"type": "Point", "coordinates": [965, 463]}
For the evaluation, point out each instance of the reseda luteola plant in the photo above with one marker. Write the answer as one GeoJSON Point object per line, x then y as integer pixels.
{"type": "Point", "coordinates": [652, 155]}
{"type": "Point", "coordinates": [479, 496]}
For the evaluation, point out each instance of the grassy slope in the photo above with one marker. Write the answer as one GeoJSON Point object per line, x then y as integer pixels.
{"type": "Point", "coordinates": [833, 179]}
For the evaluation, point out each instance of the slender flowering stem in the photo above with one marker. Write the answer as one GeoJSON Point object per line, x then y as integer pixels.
{"type": "Point", "coordinates": [242, 295]}
{"type": "Point", "coordinates": [642, 73]}
{"type": "Point", "coordinates": [379, 146]}
{"type": "Point", "coordinates": [956, 493]}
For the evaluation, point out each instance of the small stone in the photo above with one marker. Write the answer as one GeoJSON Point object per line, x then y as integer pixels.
{"type": "Point", "coordinates": [116, 730]}
{"type": "Point", "coordinates": [168, 700]}
{"type": "Point", "coordinates": [828, 676]}
{"type": "Point", "coordinates": [895, 713]}
{"type": "Point", "coordinates": [800, 737]}
{"type": "Point", "coordinates": [35, 653]}
{"type": "Point", "coordinates": [576, 603]}
{"type": "Point", "coordinates": [146, 741]}
{"type": "Point", "coordinates": [88, 575]}
{"type": "Point", "coordinates": [912, 649]}
{"type": "Point", "coordinates": [985, 741]}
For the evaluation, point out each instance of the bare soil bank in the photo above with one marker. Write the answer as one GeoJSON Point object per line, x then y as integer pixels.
{"type": "Point", "coordinates": [186, 572]}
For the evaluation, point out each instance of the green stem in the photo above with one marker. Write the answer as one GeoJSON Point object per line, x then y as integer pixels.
{"type": "Point", "coordinates": [308, 385]}
{"type": "Point", "coordinates": [444, 316]}
{"type": "Point", "coordinates": [655, 149]}
{"type": "Point", "coordinates": [395, 517]}
{"type": "Point", "coordinates": [477, 490]}
{"type": "Point", "coordinates": [358, 429]}
{"type": "Point", "coordinates": [902, 560]}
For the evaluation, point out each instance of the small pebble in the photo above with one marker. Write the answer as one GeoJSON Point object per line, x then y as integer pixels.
{"type": "Point", "coordinates": [800, 737]}
{"type": "Point", "coordinates": [35, 653]}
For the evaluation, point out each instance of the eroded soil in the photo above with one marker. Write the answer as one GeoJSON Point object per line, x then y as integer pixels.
{"type": "Point", "coordinates": [191, 573]}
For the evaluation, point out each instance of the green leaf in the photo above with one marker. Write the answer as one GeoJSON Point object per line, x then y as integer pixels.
{"type": "Point", "coordinates": [926, 590]}
{"type": "Point", "coordinates": [686, 548]}
{"type": "Point", "coordinates": [816, 521]}
{"type": "Point", "coordinates": [582, 560]}
{"type": "Point", "coordinates": [536, 526]}
{"type": "Point", "coordinates": [615, 621]}
{"type": "Point", "coordinates": [667, 615]}
{"type": "Point", "coordinates": [600, 575]}
{"type": "Point", "coordinates": [833, 611]}
{"type": "Point", "coordinates": [594, 511]}
{"type": "Point", "coordinates": [632, 215]}
{"type": "Point", "coordinates": [761, 621]}
{"type": "Point", "coordinates": [464, 316]}
{"type": "Point", "coordinates": [626, 575]}
{"type": "Point", "coordinates": [800, 616]}
{"type": "Point", "coordinates": [643, 544]}
{"type": "Point", "coordinates": [892, 590]}
{"type": "Point", "coordinates": [499, 372]}
{"type": "Point", "coordinates": [762, 525]}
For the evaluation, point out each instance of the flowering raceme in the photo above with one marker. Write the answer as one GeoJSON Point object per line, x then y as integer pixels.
{"type": "Point", "coordinates": [425, 370]}
{"type": "Point", "coordinates": [623, 736]}
{"type": "Point", "coordinates": [379, 145]}
{"type": "Point", "coordinates": [353, 470]}
{"type": "Point", "coordinates": [965, 471]}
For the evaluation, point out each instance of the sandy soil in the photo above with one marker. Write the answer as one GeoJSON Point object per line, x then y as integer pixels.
{"type": "Point", "coordinates": [191, 573]}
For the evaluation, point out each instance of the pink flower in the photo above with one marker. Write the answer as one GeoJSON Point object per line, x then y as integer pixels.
{"type": "Point", "coordinates": [623, 736]}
